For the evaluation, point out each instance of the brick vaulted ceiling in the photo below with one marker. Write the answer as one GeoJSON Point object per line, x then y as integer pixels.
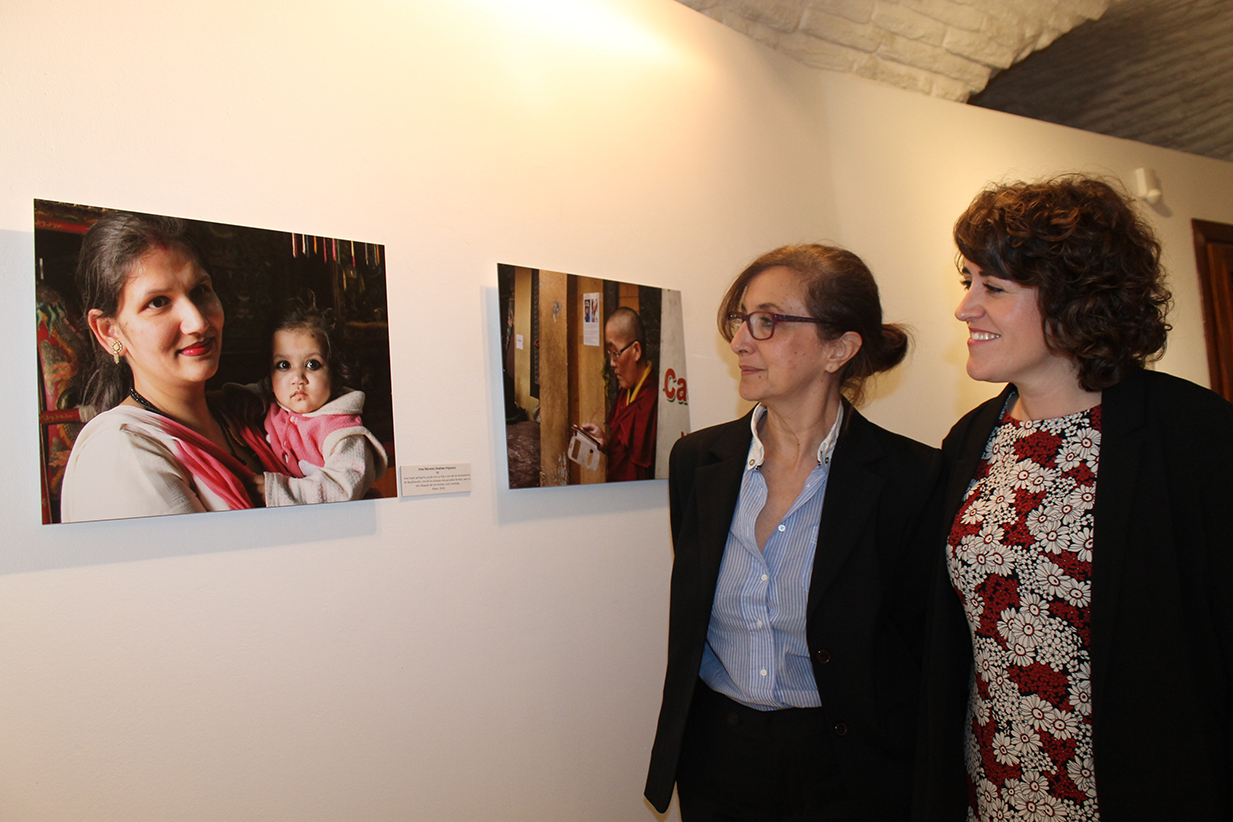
{"type": "Point", "coordinates": [1151, 70]}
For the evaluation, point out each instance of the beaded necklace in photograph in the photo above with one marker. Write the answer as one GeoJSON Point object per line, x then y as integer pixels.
{"type": "Point", "coordinates": [144, 403]}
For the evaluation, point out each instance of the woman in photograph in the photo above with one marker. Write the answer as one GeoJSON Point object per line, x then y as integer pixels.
{"type": "Point", "coordinates": [801, 565]}
{"type": "Point", "coordinates": [1083, 670]}
{"type": "Point", "coordinates": [159, 446]}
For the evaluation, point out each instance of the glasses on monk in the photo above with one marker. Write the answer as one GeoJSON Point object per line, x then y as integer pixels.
{"type": "Point", "coordinates": [614, 353]}
{"type": "Point", "coordinates": [761, 324]}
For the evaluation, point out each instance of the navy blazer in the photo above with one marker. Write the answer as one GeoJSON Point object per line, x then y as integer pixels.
{"type": "Point", "coordinates": [866, 603]}
{"type": "Point", "coordinates": [1162, 609]}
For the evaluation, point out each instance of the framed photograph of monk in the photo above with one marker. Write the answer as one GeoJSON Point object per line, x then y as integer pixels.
{"type": "Point", "coordinates": [187, 366]}
{"type": "Point", "coordinates": [594, 376]}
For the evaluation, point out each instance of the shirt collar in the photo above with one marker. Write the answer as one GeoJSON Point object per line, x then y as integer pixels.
{"type": "Point", "coordinates": [633, 392]}
{"type": "Point", "coordinates": [757, 452]}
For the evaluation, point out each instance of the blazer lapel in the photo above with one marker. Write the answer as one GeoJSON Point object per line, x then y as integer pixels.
{"type": "Point", "coordinates": [717, 485]}
{"type": "Point", "coordinates": [964, 466]}
{"type": "Point", "coordinates": [1121, 449]}
{"type": "Point", "coordinates": [852, 491]}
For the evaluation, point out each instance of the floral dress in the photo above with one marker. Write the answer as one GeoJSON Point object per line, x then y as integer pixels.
{"type": "Point", "coordinates": [1020, 558]}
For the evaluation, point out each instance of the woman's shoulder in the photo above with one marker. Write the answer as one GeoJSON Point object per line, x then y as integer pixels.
{"type": "Point", "coordinates": [120, 435]}
{"type": "Point", "coordinates": [121, 423]}
{"type": "Point", "coordinates": [725, 436]}
{"type": "Point", "coordinates": [977, 423]}
{"type": "Point", "coordinates": [904, 452]}
{"type": "Point", "coordinates": [1180, 411]}
{"type": "Point", "coordinates": [1166, 389]}
{"type": "Point", "coordinates": [1187, 417]}
{"type": "Point", "coordinates": [109, 470]}
{"type": "Point", "coordinates": [349, 401]}
{"type": "Point", "coordinates": [130, 462]}
{"type": "Point", "coordinates": [889, 438]}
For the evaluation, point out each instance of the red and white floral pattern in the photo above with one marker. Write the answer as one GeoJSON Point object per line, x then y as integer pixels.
{"type": "Point", "coordinates": [1020, 558]}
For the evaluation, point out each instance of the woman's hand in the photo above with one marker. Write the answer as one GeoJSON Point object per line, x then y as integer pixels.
{"type": "Point", "coordinates": [257, 485]}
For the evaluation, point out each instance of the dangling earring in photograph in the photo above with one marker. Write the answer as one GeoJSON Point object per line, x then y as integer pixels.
{"type": "Point", "coordinates": [117, 348]}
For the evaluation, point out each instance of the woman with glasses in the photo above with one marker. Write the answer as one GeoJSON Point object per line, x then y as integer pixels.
{"type": "Point", "coordinates": [802, 558]}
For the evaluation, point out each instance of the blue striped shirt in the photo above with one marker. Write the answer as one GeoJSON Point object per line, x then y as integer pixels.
{"type": "Point", "coordinates": [756, 651]}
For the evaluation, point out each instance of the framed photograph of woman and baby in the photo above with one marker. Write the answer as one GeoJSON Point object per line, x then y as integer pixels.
{"type": "Point", "coordinates": [594, 375]}
{"type": "Point", "coordinates": [188, 366]}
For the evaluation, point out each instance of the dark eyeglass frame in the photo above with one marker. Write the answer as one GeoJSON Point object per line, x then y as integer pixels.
{"type": "Point", "coordinates": [612, 355]}
{"type": "Point", "coordinates": [776, 319]}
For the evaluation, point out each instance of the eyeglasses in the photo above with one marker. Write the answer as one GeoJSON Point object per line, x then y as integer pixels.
{"type": "Point", "coordinates": [612, 354]}
{"type": "Point", "coordinates": [761, 324]}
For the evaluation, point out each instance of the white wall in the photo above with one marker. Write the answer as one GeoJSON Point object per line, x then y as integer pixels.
{"type": "Point", "coordinates": [482, 656]}
{"type": "Point", "coordinates": [485, 656]}
{"type": "Point", "coordinates": [905, 166]}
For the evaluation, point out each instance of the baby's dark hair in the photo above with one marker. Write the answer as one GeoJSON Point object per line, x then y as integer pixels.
{"type": "Point", "coordinates": [302, 314]}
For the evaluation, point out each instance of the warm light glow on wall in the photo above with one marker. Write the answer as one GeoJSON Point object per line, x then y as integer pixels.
{"type": "Point", "coordinates": [595, 24]}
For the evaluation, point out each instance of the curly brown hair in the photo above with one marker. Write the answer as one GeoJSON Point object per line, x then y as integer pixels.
{"type": "Point", "coordinates": [840, 292]}
{"type": "Point", "coordinates": [1094, 262]}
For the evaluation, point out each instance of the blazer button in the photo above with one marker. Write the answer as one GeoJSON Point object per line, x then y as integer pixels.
{"type": "Point", "coordinates": [823, 656]}
{"type": "Point", "coordinates": [841, 729]}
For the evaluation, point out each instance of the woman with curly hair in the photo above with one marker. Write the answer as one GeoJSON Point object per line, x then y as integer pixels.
{"type": "Point", "coordinates": [1084, 667]}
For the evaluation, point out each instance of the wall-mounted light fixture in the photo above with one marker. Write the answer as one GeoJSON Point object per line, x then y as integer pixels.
{"type": "Point", "coordinates": [1148, 185]}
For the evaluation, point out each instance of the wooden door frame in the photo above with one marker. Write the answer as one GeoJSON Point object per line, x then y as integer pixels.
{"type": "Point", "coordinates": [1217, 305]}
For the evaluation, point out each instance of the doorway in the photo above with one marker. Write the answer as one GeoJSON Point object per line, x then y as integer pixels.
{"type": "Point", "coordinates": [1213, 249]}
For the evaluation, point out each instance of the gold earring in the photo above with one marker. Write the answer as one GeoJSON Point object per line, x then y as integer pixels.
{"type": "Point", "coordinates": [117, 348]}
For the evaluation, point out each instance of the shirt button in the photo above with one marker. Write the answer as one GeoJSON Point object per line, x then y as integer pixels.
{"type": "Point", "coordinates": [752, 463]}
{"type": "Point", "coordinates": [765, 577]}
{"type": "Point", "coordinates": [759, 623]}
{"type": "Point", "coordinates": [782, 528]}
{"type": "Point", "coordinates": [764, 671]}
{"type": "Point", "coordinates": [841, 729]}
{"type": "Point", "coordinates": [823, 656]}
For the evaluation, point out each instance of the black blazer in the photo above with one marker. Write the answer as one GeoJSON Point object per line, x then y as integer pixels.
{"type": "Point", "coordinates": [866, 603]}
{"type": "Point", "coordinates": [1162, 609]}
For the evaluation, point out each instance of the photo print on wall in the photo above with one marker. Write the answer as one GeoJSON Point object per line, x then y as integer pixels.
{"type": "Point", "coordinates": [594, 375]}
{"type": "Point", "coordinates": [188, 366]}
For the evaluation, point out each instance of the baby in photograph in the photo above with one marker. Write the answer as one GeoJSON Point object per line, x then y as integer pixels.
{"type": "Point", "coordinates": [317, 448]}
